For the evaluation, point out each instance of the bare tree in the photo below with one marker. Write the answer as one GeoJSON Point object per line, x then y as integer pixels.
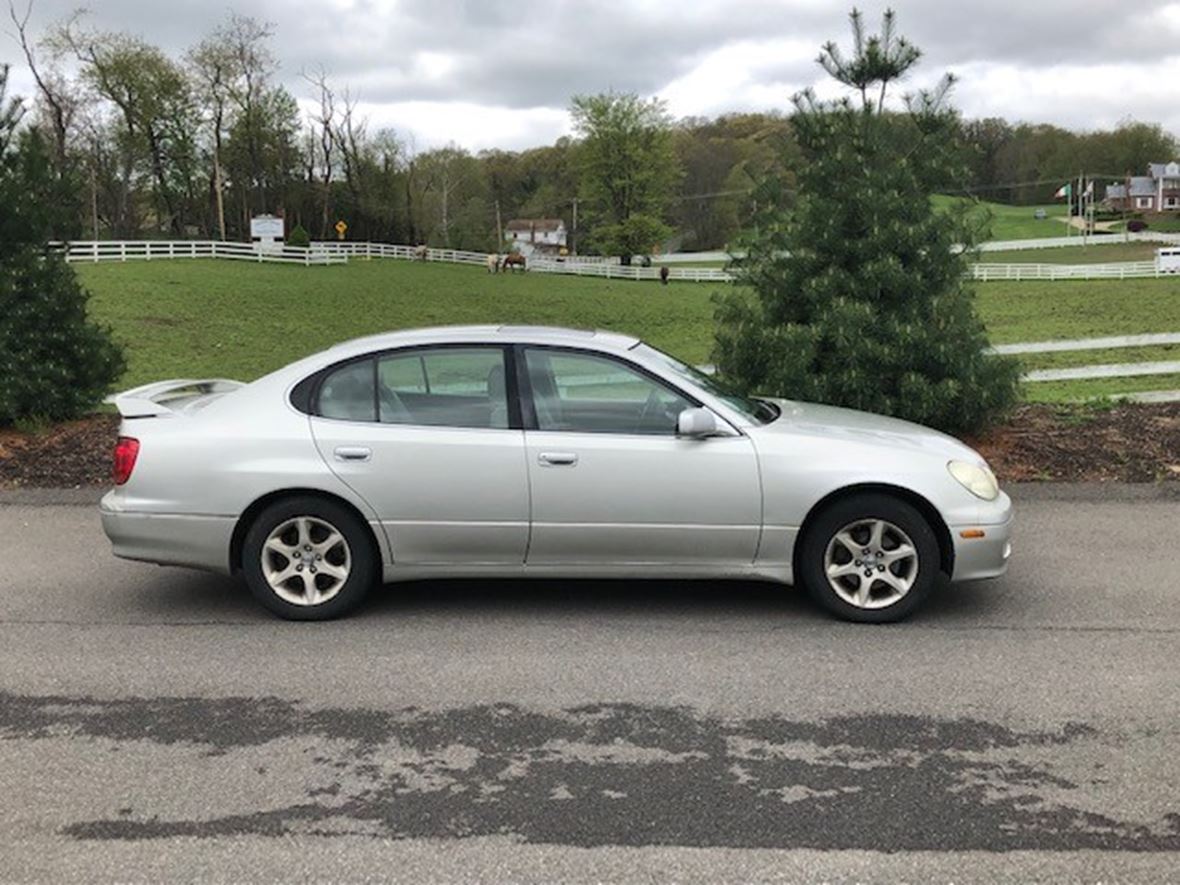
{"type": "Point", "coordinates": [245, 39]}
{"type": "Point", "coordinates": [51, 86]}
{"type": "Point", "coordinates": [326, 123]}
{"type": "Point", "coordinates": [214, 67]}
{"type": "Point", "coordinates": [350, 136]}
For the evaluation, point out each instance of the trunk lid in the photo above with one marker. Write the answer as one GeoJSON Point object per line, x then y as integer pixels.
{"type": "Point", "coordinates": [178, 396]}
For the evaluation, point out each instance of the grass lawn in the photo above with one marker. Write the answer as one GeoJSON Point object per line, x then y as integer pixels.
{"type": "Point", "coordinates": [1043, 311]}
{"type": "Point", "coordinates": [1015, 222]}
{"type": "Point", "coordinates": [208, 318]}
{"type": "Point", "coordinates": [1072, 391]}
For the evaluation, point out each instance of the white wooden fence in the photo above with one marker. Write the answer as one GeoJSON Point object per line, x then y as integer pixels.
{"type": "Point", "coordinates": [1104, 370]}
{"type": "Point", "coordinates": [630, 272]}
{"type": "Point", "coordinates": [1122, 270]}
{"type": "Point", "coordinates": [147, 250]}
{"type": "Point", "coordinates": [1146, 236]}
{"type": "Point", "coordinates": [321, 253]}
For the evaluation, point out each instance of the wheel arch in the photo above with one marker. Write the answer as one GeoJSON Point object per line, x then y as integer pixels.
{"type": "Point", "coordinates": [946, 546]}
{"type": "Point", "coordinates": [247, 517]}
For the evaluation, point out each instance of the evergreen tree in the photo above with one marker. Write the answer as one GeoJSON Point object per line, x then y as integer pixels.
{"type": "Point", "coordinates": [54, 362]}
{"type": "Point", "coordinates": [855, 293]}
{"type": "Point", "coordinates": [299, 237]}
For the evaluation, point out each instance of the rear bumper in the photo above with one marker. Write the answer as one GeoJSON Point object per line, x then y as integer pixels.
{"type": "Point", "coordinates": [168, 538]}
{"type": "Point", "coordinates": [985, 557]}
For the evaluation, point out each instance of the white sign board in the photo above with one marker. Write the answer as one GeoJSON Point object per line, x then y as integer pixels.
{"type": "Point", "coordinates": [267, 227]}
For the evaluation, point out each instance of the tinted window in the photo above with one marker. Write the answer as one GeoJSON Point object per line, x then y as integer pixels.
{"type": "Point", "coordinates": [347, 393]}
{"type": "Point", "coordinates": [587, 393]}
{"type": "Point", "coordinates": [447, 386]}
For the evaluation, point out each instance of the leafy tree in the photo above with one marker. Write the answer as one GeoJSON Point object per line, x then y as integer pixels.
{"type": "Point", "coordinates": [628, 167]}
{"type": "Point", "coordinates": [853, 295]}
{"type": "Point", "coordinates": [54, 362]}
{"type": "Point", "coordinates": [155, 103]}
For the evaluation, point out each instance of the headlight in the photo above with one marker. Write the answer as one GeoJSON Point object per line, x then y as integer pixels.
{"type": "Point", "coordinates": [975, 478]}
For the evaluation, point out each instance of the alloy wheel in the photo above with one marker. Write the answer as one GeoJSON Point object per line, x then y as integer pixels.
{"type": "Point", "coordinates": [871, 563]}
{"type": "Point", "coordinates": [306, 560]}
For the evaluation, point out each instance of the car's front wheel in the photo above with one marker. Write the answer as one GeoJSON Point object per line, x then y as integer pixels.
{"type": "Point", "coordinates": [308, 559]}
{"type": "Point", "coordinates": [869, 557]}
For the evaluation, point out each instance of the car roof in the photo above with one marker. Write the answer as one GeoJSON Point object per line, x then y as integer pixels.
{"type": "Point", "coordinates": [507, 334]}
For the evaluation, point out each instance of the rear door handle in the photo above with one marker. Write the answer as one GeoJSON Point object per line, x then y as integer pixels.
{"type": "Point", "coordinates": [353, 453]}
{"type": "Point", "coordinates": [557, 459]}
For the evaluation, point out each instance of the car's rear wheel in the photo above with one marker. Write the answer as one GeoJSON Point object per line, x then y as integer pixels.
{"type": "Point", "coordinates": [869, 557]}
{"type": "Point", "coordinates": [309, 559]}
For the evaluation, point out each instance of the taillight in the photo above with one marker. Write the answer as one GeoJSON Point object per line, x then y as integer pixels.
{"type": "Point", "coordinates": [126, 451]}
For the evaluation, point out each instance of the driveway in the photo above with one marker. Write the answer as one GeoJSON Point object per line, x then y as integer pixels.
{"type": "Point", "coordinates": [155, 724]}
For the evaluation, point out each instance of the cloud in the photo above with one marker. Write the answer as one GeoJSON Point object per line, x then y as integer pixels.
{"type": "Point", "coordinates": [481, 73]}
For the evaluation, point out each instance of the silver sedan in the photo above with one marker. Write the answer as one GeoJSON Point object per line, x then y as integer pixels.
{"type": "Point", "coordinates": [523, 451]}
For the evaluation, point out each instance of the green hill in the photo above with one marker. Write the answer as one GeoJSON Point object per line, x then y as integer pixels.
{"type": "Point", "coordinates": [1014, 222]}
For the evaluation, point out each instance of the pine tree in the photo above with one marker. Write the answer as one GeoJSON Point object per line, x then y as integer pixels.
{"type": "Point", "coordinates": [852, 290]}
{"type": "Point", "coordinates": [54, 362]}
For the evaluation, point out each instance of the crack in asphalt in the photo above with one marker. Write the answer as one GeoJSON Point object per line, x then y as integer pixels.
{"type": "Point", "coordinates": [593, 775]}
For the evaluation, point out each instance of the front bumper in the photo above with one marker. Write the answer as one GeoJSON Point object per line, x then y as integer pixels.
{"type": "Point", "coordinates": [168, 538]}
{"type": "Point", "coordinates": [985, 556]}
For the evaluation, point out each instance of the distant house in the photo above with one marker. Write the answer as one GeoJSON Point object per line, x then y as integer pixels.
{"type": "Point", "coordinates": [1157, 191]}
{"type": "Point", "coordinates": [547, 234]}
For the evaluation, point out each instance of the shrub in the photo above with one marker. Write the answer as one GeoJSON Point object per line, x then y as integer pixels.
{"type": "Point", "coordinates": [55, 363]}
{"type": "Point", "coordinates": [299, 237]}
{"type": "Point", "coordinates": [1135, 225]}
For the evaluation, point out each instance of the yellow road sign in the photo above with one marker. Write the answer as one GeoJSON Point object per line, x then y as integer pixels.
{"type": "Point", "coordinates": [341, 227]}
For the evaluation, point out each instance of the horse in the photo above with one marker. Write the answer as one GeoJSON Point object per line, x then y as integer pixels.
{"type": "Point", "coordinates": [664, 275]}
{"type": "Point", "coordinates": [493, 263]}
{"type": "Point", "coordinates": [421, 253]}
{"type": "Point", "coordinates": [514, 260]}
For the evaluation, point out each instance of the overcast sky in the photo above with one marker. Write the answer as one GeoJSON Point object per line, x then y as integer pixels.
{"type": "Point", "coordinates": [499, 73]}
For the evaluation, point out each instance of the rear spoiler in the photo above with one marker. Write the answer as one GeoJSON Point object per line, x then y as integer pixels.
{"type": "Point", "coordinates": [168, 397]}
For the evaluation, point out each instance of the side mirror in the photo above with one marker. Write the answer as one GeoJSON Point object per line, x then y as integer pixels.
{"type": "Point", "coordinates": [697, 423]}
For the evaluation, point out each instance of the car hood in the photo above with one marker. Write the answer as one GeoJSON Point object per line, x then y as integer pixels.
{"type": "Point", "coordinates": [865, 428]}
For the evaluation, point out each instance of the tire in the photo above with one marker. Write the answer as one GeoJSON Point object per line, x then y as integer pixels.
{"type": "Point", "coordinates": [838, 536]}
{"type": "Point", "coordinates": [316, 584]}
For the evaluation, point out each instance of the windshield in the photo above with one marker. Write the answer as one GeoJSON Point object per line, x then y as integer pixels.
{"type": "Point", "coordinates": [756, 410]}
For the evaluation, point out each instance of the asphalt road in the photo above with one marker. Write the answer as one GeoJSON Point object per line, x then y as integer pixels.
{"type": "Point", "coordinates": [155, 724]}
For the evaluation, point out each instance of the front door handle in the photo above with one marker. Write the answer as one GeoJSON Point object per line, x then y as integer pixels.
{"type": "Point", "coordinates": [557, 459]}
{"type": "Point", "coordinates": [353, 453]}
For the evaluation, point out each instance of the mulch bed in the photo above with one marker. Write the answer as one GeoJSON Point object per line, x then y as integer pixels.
{"type": "Point", "coordinates": [77, 453]}
{"type": "Point", "coordinates": [1132, 442]}
{"type": "Point", "coordinates": [1122, 443]}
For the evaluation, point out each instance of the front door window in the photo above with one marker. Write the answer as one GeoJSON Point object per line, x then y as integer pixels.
{"type": "Point", "coordinates": [585, 393]}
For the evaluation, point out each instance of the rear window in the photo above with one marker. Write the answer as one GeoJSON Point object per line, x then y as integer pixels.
{"type": "Point", "coordinates": [349, 393]}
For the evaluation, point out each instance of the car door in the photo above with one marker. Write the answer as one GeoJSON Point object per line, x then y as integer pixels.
{"type": "Point", "coordinates": [431, 438]}
{"type": "Point", "coordinates": [612, 483]}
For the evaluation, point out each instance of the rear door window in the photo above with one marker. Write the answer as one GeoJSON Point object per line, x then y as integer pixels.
{"type": "Point", "coordinates": [444, 387]}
